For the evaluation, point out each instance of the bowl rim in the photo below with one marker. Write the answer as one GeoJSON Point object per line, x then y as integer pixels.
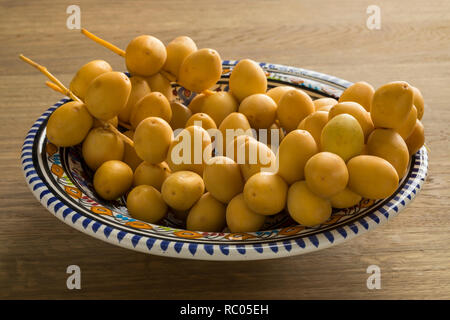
{"type": "Point", "coordinates": [211, 251]}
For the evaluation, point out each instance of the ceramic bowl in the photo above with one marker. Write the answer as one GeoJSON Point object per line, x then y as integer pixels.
{"type": "Point", "coordinates": [61, 181]}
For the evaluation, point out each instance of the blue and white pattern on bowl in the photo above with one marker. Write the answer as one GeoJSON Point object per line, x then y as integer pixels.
{"type": "Point", "coordinates": [63, 184]}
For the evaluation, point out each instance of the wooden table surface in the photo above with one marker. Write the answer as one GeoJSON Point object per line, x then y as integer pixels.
{"type": "Point", "coordinates": [413, 44]}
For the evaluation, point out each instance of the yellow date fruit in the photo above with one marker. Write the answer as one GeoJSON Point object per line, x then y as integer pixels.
{"type": "Point", "coordinates": [260, 110]}
{"type": "Point", "coordinates": [235, 149]}
{"type": "Point", "coordinates": [277, 92]}
{"type": "Point", "coordinates": [408, 126]}
{"type": "Point", "coordinates": [391, 104]}
{"type": "Point", "coordinates": [182, 189]}
{"type": "Point", "coordinates": [389, 145]}
{"type": "Point", "coordinates": [190, 149]}
{"type": "Point", "coordinates": [139, 88]}
{"type": "Point", "coordinates": [154, 104]}
{"type": "Point", "coordinates": [152, 139]}
{"type": "Point", "coordinates": [130, 156]}
{"type": "Point", "coordinates": [295, 150]}
{"type": "Point", "coordinates": [200, 70]}
{"type": "Point", "coordinates": [324, 102]}
{"type": "Point", "coordinates": [265, 193]}
{"type": "Point", "coordinates": [202, 120]}
{"type": "Point", "coordinates": [208, 215]}
{"type": "Point", "coordinates": [345, 199]}
{"type": "Point", "coordinates": [177, 50]}
{"type": "Point", "coordinates": [151, 174]}
{"type": "Point", "coordinates": [88, 72]}
{"type": "Point", "coordinates": [343, 136]}
{"type": "Point", "coordinates": [100, 146]}
{"type": "Point", "coordinates": [418, 102]}
{"type": "Point", "coordinates": [159, 83]}
{"type": "Point", "coordinates": [240, 218]}
{"type": "Point", "coordinates": [357, 111]}
{"type": "Point", "coordinates": [180, 115]}
{"type": "Point", "coordinates": [360, 92]}
{"type": "Point", "coordinates": [69, 124]}
{"type": "Point", "coordinates": [235, 124]}
{"type": "Point", "coordinates": [196, 104]}
{"type": "Point", "coordinates": [223, 178]}
{"type": "Point", "coordinates": [326, 174]}
{"type": "Point", "coordinates": [372, 177]}
{"type": "Point", "coordinates": [218, 105]}
{"type": "Point", "coordinates": [247, 78]}
{"type": "Point", "coordinates": [314, 124]}
{"type": "Point", "coordinates": [305, 207]}
{"type": "Point", "coordinates": [146, 203]}
{"type": "Point", "coordinates": [416, 139]}
{"type": "Point", "coordinates": [113, 179]}
{"type": "Point", "coordinates": [254, 157]}
{"type": "Point", "coordinates": [107, 95]}
{"type": "Point", "coordinates": [274, 136]}
{"type": "Point", "coordinates": [145, 55]}
{"type": "Point", "coordinates": [294, 106]}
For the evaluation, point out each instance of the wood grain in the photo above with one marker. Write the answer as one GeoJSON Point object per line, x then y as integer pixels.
{"type": "Point", "coordinates": [412, 250]}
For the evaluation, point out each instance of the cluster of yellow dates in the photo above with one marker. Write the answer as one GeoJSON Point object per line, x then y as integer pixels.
{"type": "Point", "coordinates": [326, 153]}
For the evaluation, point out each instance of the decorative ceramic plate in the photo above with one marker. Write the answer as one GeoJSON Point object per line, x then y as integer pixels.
{"type": "Point", "coordinates": [61, 181]}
